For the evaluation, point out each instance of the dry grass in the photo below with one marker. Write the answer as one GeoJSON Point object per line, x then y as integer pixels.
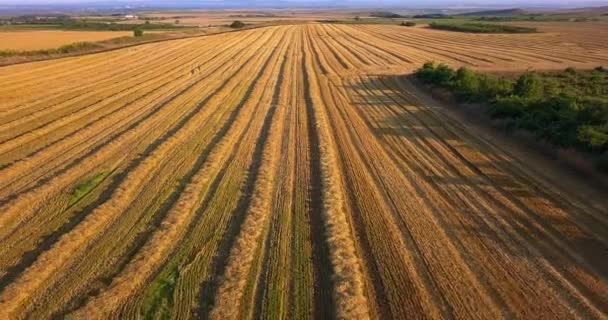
{"type": "Point", "coordinates": [285, 172]}
{"type": "Point", "coordinates": [26, 40]}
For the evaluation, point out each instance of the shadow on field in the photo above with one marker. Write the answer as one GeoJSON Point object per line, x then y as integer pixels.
{"type": "Point", "coordinates": [485, 195]}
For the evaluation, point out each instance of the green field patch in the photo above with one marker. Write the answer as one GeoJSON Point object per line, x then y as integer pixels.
{"type": "Point", "coordinates": [86, 187]}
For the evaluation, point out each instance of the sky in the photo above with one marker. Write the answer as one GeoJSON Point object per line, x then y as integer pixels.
{"type": "Point", "coordinates": [329, 3]}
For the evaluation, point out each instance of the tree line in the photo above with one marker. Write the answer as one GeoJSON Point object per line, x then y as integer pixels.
{"type": "Point", "coordinates": [568, 109]}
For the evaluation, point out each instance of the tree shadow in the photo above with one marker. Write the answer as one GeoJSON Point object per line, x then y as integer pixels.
{"type": "Point", "coordinates": [493, 201]}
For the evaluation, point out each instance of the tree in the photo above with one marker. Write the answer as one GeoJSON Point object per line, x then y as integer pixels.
{"type": "Point", "coordinates": [529, 85]}
{"type": "Point", "coordinates": [408, 23]}
{"type": "Point", "coordinates": [176, 21]}
{"type": "Point", "coordinates": [237, 24]}
{"type": "Point", "coordinates": [570, 70]}
{"type": "Point", "coordinates": [443, 75]}
{"type": "Point", "coordinates": [137, 32]}
{"type": "Point", "coordinates": [466, 84]}
{"type": "Point", "coordinates": [357, 18]}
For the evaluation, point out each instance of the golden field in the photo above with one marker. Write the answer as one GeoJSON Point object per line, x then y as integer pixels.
{"type": "Point", "coordinates": [26, 40]}
{"type": "Point", "coordinates": [286, 172]}
{"type": "Point", "coordinates": [204, 18]}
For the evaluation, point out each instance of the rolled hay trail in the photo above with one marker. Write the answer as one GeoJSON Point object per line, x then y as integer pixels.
{"type": "Point", "coordinates": [26, 204]}
{"type": "Point", "coordinates": [222, 211]}
{"type": "Point", "coordinates": [49, 261]}
{"type": "Point", "coordinates": [63, 91]}
{"type": "Point", "coordinates": [87, 70]}
{"type": "Point", "coordinates": [552, 304]}
{"type": "Point", "coordinates": [285, 172]}
{"type": "Point", "coordinates": [382, 238]}
{"type": "Point", "coordinates": [160, 242]}
{"type": "Point", "coordinates": [289, 244]}
{"type": "Point", "coordinates": [349, 294]}
{"type": "Point", "coordinates": [51, 115]}
{"type": "Point", "coordinates": [59, 129]}
{"type": "Point", "coordinates": [172, 228]}
{"type": "Point", "coordinates": [372, 44]}
{"type": "Point", "coordinates": [22, 206]}
{"type": "Point", "coordinates": [72, 140]}
{"type": "Point", "coordinates": [105, 82]}
{"type": "Point", "coordinates": [230, 293]}
{"type": "Point", "coordinates": [373, 56]}
{"type": "Point", "coordinates": [136, 274]}
{"type": "Point", "coordinates": [186, 81]}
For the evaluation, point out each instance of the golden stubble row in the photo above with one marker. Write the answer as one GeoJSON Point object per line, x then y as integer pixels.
{"type": "Point", "coordinates": [173, 227]}
{"type": "Point", "coordinates": [348, 277]}
{"type": "Point", "coordinates": [100, 216]}
{"type": "Point", "coordinates": [25, 204]}
{"type": "Point", "coordinates": [230, 293]}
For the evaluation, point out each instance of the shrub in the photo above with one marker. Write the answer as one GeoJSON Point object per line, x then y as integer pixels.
{"type": "Point", "coordinates": [529, 85]}
{"type": "Point", "coordinates": [408, 23]}
{"type": "Point", "coordinates": [480, 28]}
{"type": "Point", "coordinates": [466, 84]}
{"type": "Point", "coordinates": [137, 32]}
{"type": "Point", "coordinates": [237, 24]}
{"type": "Point", "coordinates": [491, 87]}
{"type": "Point", "coordinates": [508, 107]}
{"type": "Point", "coordinates": [443, 75]}
{"type": "Point", "coordinates": [562, 110]}
{"type": "Point", "coordinates": [594, 111]}
{"type": "Point", "coordinates": [593, 137]}
{"type": "Point", "coordinates": [384, 14]}
{"type": "Point", "coordinates": [426, 72]}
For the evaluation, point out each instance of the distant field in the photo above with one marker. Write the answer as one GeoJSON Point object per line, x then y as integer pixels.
{"type": "Point", "coordinates": [288, 172]}
{"type": "Point", "coordinates": [205, 18]}
{"type": "Point", "coordinates": [46, 39]}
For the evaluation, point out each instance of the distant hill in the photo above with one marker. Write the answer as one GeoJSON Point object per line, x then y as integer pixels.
{"type": "Point", "coordinates": [432, 16]}
{"type": "Point", "coordinates": [587, 10]}
{"type": "Point", "coordinates": [495, 13]}
{"type": "Point", "coordinates": [385, 14]}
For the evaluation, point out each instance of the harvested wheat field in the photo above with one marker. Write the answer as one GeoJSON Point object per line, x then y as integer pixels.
{"type": "Point", "coordinates": [48, 39]}
{"type": "Point", "coordinates": [284, 172]}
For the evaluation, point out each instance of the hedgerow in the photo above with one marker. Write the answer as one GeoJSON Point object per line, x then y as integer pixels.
{"type": "Point", "coordinates": [569, 109]}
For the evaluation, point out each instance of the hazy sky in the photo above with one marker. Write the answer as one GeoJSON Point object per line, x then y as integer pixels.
{"type": "Point", "coordinates": [345, 3]}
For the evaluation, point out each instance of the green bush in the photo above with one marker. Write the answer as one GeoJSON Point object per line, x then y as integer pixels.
{"type": "Point", "coordinates": [466, 84]}
{"type": "Point", "coordinates": [438, 75]}
{"type": "Point", "coordinates": [593, 137]}
{"type": "Point", "coordinates": [570, 70]}
{"type": "Point", "coordinates": [508, 107]}
{"type": "Point", "coordinates": [138, 32]}
{"type": "Point", "coordinates": [443, 75]}
{"type": "Point", "coordinates": [480, 28]}
{"type": "Point", "coordinates": [529, 85]}
{"type": "Point", "coordinates": [427, 72]}
{"type": "Point", "coordinates": [237, 24]}
{"type": "Point", "coordinates": [567, 108]}
{"type": "Point", "coordinates": [492, 87]}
